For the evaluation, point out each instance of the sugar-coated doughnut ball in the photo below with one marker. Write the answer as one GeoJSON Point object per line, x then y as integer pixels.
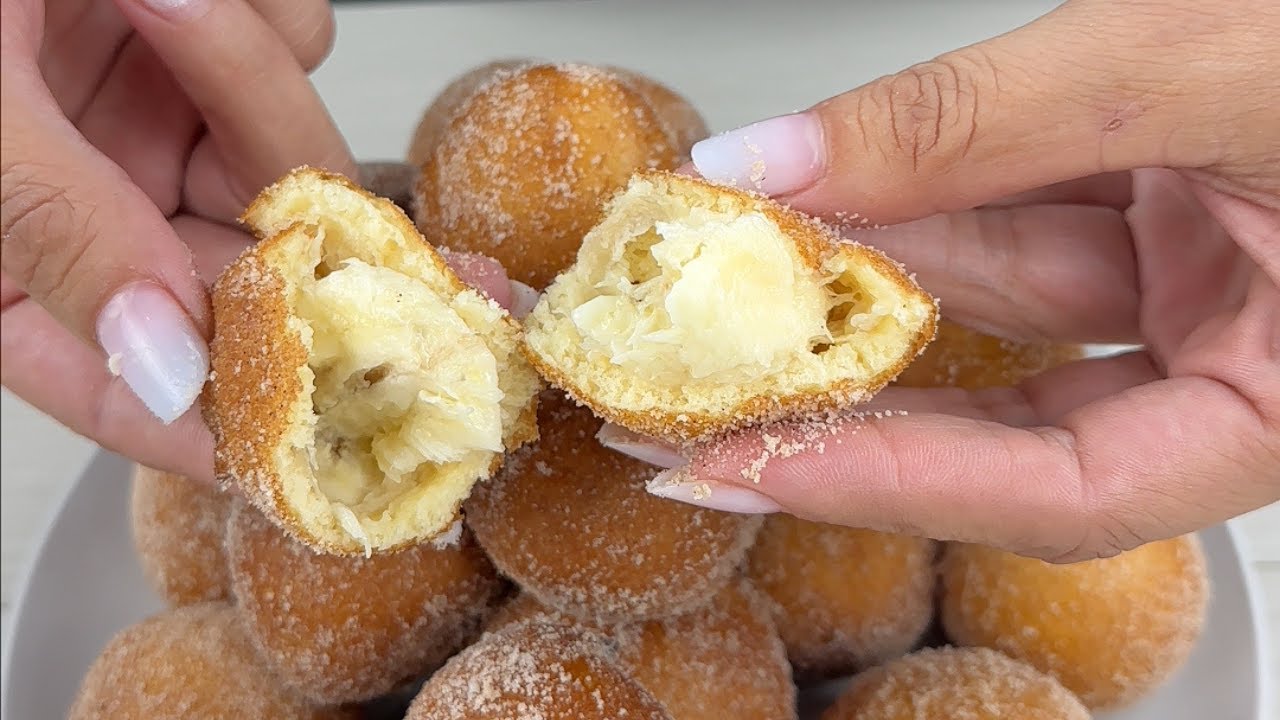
{"type": "Point", "coordinates": [956, 684]}
{"type": "Point", "coordinates": [442, 109]}
{"type": "Point", "coordinates": [526, 160]}
{"type": "Point", "coordinates": [964, 358]}
{"type": "Point", "coordinates": [570, 521]}
{"type": "Point", "coordinates": [539, 671]}
{"type": "Point", "coordinates": [178, 530]}
{"type": "Point", "coordinates": [843, 598]}
{"type": "Point", "coordinates": [1110, 630]}
{"type": "Point", "coordinates": [189, 662]}
{"type": "Point", "coordinates": [348, 628]}
{"type": "Point", "coordinates": [724, 660]}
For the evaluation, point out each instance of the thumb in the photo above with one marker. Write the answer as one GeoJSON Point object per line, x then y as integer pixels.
{"type": "Point", "coordinates": [88, 245]}
{"type": "Point", "coordinates": [1091, 87]}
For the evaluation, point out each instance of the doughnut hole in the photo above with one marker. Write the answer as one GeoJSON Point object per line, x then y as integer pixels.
{"type": "Point", "coordinates": [570, 521]}
{"type": "Point", "coordinates": [179, 526]}
{"type": "Point", "coordinates": [189, 662]}
{"type": "Point", "coordinates": [843, 598]}
{"type": "Point", "coordinates": [959, 683]}
{"type": "Point", "coordinates": [1110, 630]}
{"type": "Point", "coordinates": [342, 629]}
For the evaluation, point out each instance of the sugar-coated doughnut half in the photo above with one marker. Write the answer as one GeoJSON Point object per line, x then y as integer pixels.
{"type": "Point", "coordinates": [965, 358]}
{"type": "Point", "coordinates": [358, 388]}
{"type": "Point", "coordinates": [342, 629]}
{"type": "Point", "coordinates": [1110, 630]}
{"type": "Point", "coordinates": [696, 308]}
{"type": "Point", "coordinates": [844, 599]}
{"type": "Point", "coordinates": [189, 662]}
{"type": "Point", "coordinates": [570, 521]}
{"type": "Point", "coordinates": [536, 671]}
{"type": "Point", "coordinates": [956, 684]}
{"type": "Point", "coordinates": [724, 660]}
{"type": "Point", "coordinates": [527, 158]}
{"type": "Point", "coordinates": [178, 530]}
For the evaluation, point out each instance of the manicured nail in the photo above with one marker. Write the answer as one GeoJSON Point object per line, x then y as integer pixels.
{"type": "Point", "coordinates": [174, 9]}
{"type": "Point", "coordinates": [777, 156]}
{"type": "Point", "coordinates": [639, 447]}
{"type": "Point", "coordinates": [154, 346]}
{"type": "Point", "coordinates": [676, 485]}
{"type": "Point", "coordinates": [523, 298]}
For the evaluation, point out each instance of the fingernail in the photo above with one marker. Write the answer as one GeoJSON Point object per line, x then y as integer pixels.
{"type": "Point", "coordinates": [523, 298]}
{"type": "Point", "coordinates": [777, 156]}
{"type": "Point", "coordinates": [153, 345]}
{"type": "Point", "coordinates": [676, 485]}
{"type": "Point", "coordinates": [173, 9]}
{"type": "Point", "coordinates": [641, 448]}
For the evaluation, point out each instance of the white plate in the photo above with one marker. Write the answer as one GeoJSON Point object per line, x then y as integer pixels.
{"type": "Point", "coordinates": [85, 585]}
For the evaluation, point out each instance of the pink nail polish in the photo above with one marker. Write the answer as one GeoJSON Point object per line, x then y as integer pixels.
{"type": "Point", "coordinates": [641, 448]}
{"type": "Point", "coordinates": [152, 343]}
{"type": "Point", "coordinates": [778, 156]}
{"type": "Point", "coordinates": [676, 485]}
{"type": "Point", "coordinates": [523, 299]}
{"type": "Point", "coordinates": [174, 9]}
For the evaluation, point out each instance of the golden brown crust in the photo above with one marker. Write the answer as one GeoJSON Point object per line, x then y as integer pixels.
{"type": "Point", "coordinates": [346, 629]}
{"type": "Point", "coordinates": [526, 159]}
{"type": "Point", "coordinates": [844, 598]}
{"type": "Point", "coordinates": [178, 529]}
{"type": "Point", "coordinates": [958, 684]}
{"type": "Point", "coordinates": [647, 557]}
{"type": "Point", "coordinates": [436, 118]}
{"type": "Point", "coordinates": [1111, 630]}
{"type": "Point", "coordinates": [721, 660]}
{"type": "Point", "coordinates": [189, 662]}
{"type": "Point", "coordinates": [816, 244]}
{"type": "Point", "coordinates": [255, 358]}
{"type": "Point", "coordinates": [683, 123]}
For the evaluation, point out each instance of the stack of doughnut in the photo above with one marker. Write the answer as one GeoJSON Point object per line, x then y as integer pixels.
{"type": "Point", "coordinates": [565, 591]}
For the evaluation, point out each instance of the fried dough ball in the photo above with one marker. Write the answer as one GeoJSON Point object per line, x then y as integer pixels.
{"type": "Point", "coordinates": [536, 670]}
{"type": "Point", "coordinates": [844, 599]}
{"type": "Point", "coordinates": [964, 358]}
{"type": "Point", "coordinates": [435, 120]}
{"type": "Point", "coordinates": [526, 160]}
{"type": "Point", "coordinates": [956, 684]}
{"type": "Point", "coordinates": [342, 629]}
{"type": "Point", "coordinates": [188, 662]}
{"type": "Point", "coordinates": [724, 660]}
{"type": "Point", "coordinates": [358, 388]}
{"type": "Point", "coordinates": [696, 308]}
{"type": "Point", "coordinates": [178, 530]}
{"type": "Point", "coordinates": [570, 521]}
{"type": "Point", "coordinates": [1110, 630]}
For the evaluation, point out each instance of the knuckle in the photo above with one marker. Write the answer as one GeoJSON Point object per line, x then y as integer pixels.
{"type": "Point", "coordinates": [931, 109]}
{"type": "Point", "coordinates": [44, 233]}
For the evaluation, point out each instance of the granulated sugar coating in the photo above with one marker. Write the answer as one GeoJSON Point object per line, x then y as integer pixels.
{"type": "Point", "coordinates": [724, 660]}
{"type": "Point", "coordinates": [964, 358]}
{"type": "Point", "coordinates": [570, 521]}
{"type": "Point", "coordinates": [178, 531]}
{"type": "Point", "coordinates": [1110, 630]}
{"type": "Point", "coordinates": [536, 671]}
{"type": "Point", "coordinates": [191, 662]}
{"type": "Point", "coordinates": [527, 159]}
{"type": "Point", "coordinates": [956, 684]}
{"type": "Point", "coordinates": [844, 599]}
{"type": "Point", "coordinates": [348, 628]}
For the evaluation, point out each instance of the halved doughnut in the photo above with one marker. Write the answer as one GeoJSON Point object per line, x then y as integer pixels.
{"type": "Point", "coordinates": [695, 308]}
{"type": "Point", "coordinates": [359, 389]}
